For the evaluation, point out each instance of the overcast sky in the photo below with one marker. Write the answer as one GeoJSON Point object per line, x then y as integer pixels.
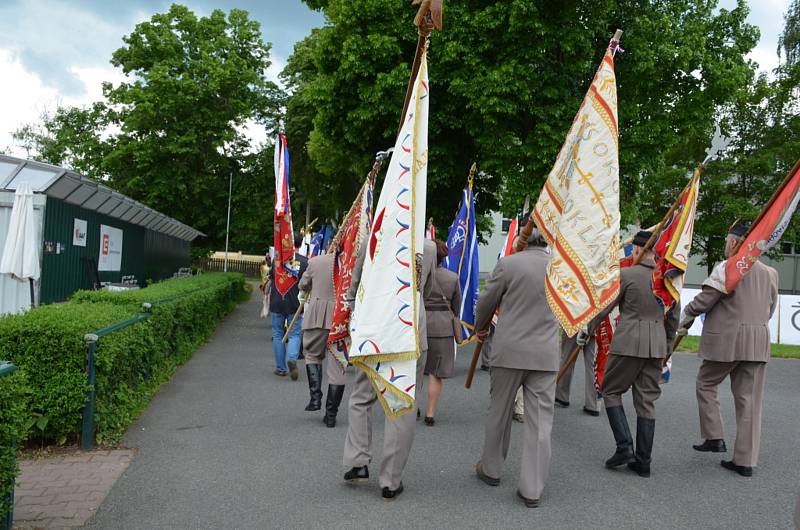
{"type": "Point", "coordinates": [57, 51]}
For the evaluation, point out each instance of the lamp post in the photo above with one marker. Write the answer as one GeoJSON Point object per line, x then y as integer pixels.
{"type": "Point", "coordinates": [228, 223]}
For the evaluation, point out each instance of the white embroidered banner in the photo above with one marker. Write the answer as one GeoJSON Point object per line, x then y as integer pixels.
{"type": "Point", "coordinates": [578, 209]}
{"type": "Point", "coordinates": [383, 328]}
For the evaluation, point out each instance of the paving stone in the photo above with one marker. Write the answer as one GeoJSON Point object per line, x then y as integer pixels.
{"type": "Point", "coordinates": [65, 491]}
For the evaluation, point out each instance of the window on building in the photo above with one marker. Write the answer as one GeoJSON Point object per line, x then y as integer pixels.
{"type": "Point", "coordinates": [787, 247]}
{"type": "Point", "coordinates": [506, 224]}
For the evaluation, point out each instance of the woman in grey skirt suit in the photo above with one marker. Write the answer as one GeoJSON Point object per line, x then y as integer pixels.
{"type": "Point", "coordinates": [443, 304]}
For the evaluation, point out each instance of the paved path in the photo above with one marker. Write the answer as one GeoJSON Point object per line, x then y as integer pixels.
{"type": "Point", "coordinates": [227, 445]}
{"type": "Point", "coordinates": [64, 491]}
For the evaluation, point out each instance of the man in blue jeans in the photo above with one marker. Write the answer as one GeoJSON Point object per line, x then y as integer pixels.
{"type": "Point", "coordinates": [282, 309]}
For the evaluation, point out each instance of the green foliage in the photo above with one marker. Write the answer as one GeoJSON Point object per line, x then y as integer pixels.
{"type": "Point", "coordinates": [48, 343]}
{"type": "Point", "coordinates": [14, 395]}
{"type": "Point", "coordinates": [763, 122]}
{"type": "Point", "coordinates": [507, 79]}
{"type": "Point", "coordinates": [70, 136]}
{"type": "Point", "coordinates": [196, 80]}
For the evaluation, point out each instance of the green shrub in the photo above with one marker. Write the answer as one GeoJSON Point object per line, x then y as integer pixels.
{"type": "Point", "coordinates": [14, 415]}
{"type": "Point", "coordinates": [164, 290]}
{"type": "Point", "coordinates": [47, 343]}
{"type": "Point", "coordinates": [131, 363]}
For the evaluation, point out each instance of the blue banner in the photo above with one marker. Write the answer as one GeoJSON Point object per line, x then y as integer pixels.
{"type": "Point", "coordinates": [462, 258]}
{"type": "Point", "coordinates": [321, 241]}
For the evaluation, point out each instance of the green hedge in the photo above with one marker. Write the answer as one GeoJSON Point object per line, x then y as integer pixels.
{"type": "Point", "coordinates": [48, 343]}
{"type": "Point", "coordinates": [14, 394]}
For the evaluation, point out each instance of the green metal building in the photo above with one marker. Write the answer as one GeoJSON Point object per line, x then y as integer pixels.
{"type": "Point", "coordinates": [89, 232]}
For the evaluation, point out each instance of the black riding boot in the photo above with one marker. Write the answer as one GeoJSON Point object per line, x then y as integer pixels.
{"type": "Point", "coordinates": [332, 402]}
{"type": "Point", "coordinates": [622, 435]}
{"type": "Point", "coordinates": [314, 372]}
{"type": "Point", "coordinates": [645, 430]}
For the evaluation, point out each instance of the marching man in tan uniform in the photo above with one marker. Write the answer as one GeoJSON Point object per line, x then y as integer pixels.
{"type": "Point", "coordinates": [735, 342]}
{"type": "Point", "coordinates": [525, 354]}
{"type": "Point", "coordinates": [588, 346]}
{"type": "Point", "coordinates": [319, 302]}
{"type": "Point", "coordinates": [398, 435]}
{"type": "Point", "coordinates": [641, 341]}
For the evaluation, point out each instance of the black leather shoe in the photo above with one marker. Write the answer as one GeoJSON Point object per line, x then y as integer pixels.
{"type": "Point", "coordinates": [745, 471]}
{"type": "Point", "coordinates": [484, 477]}
{"type": "Point", "coordinates": [621, 457]}
{"type": "Point", "coordinates": [591, 412]}
{"type": "Point", "coordinates": [429, 421]}
{"type": "Point", "coordinates": [485, 367]}
{"type": "Point", "coordinates": [357, 475]}
{"type": "Point", "coordinates": [391, 495]}
{"type": "Point", "coordinates": [293, 373]}
{"type": "Point", "coordinates": [518, 418]}
{"type": "Point", "coordinates": [562, 404]}
{"type": "Point", "coordinates": [643, 470]}
{"type": "Point", "coordinates": [711, 446]}
{"type": "Point", "coordinates": [529, 503]}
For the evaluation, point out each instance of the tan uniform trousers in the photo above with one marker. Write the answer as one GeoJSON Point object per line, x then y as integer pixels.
{"type": "Point", "coordinates": [538, 393]}
{"type": "Point", "coordinates": [315, 344]}
{"type": "Point", "coordinates": [641, 375]}
{"type": "Point", "coordinates": [590, 400]}
{"type": "Point", "coordinates": [747, 386]}
{"type": "Point", "coordinates": [398, 435]}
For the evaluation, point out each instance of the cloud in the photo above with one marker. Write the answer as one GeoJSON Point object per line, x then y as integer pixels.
{"type": "Point", "coordinates": [52, 37]}
{"type": "Point", "coordinates": [767, 15]}
{"type": "Point", "coordinates": [27, 96]}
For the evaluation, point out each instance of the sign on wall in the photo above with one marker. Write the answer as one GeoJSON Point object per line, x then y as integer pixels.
{"type": "Point", "coordinates": [789, 309]}
{"type": "Point", "coordinates": [110, 249]}
{"type": "Point", "coordinates": [79, 233]}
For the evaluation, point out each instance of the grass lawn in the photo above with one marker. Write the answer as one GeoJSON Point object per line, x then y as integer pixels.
{"type": "Point", "coordinates": [786, 351]}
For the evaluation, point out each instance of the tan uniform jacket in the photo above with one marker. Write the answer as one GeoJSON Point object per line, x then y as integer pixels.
{"type": "Point", "coordinates": [425, 284]}
{"type": "Point", "coordinates": [443, 303]}
{"type": "Point", "coordinates": [643, 330]}
{"type": "Point", "coordinates": [736, 327]}
{"type": "Point", "coordinates": [526, 336]}
{"type": "Point", "coordinates": [320, 303]}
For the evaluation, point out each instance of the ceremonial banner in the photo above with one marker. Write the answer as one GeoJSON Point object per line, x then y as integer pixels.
{"type": "Point", "coordinates": [320, 241]}
{"type": "Point", "coordinates": [673, 246]}
{"type": "Point", "coordinates": [353, 232]}
{"type": "Point", "coordinates": [763, 235]}
{"type": "Point", "coordinates": [384, 322]}
{"type": "Point", "coordinates": [462, 258]}
{"type": "Point", "coordinates": [513, 229]}
{"type": "Point", "coordinates": [285, 276]}
{"type": "Point", "coordinates": [578, 209]}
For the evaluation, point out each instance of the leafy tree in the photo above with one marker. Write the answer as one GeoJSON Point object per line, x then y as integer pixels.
{"type": "Point", "coordinates": [765, 129]}
{"type": "Point", "coordinates": [194, 82]}
{"type": "Point", "coordinates": [70, 137]}
{"type": "Point", "coordinates": [507, 78]}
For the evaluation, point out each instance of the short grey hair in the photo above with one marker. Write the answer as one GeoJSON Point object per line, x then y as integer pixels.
{"type": "Point", "coordinates": [536, 239]}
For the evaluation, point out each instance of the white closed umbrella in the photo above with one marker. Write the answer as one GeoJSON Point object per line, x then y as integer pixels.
{"type": "Point", "coordinates": [21, 251]}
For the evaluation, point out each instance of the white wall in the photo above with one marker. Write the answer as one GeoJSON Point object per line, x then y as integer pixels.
{"type": "Point", "coordinates": [14, 294]}
{"type": "Point", "coordinates": [784, 327]}
{"type": "Point", "coordinates": [488, 253]}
